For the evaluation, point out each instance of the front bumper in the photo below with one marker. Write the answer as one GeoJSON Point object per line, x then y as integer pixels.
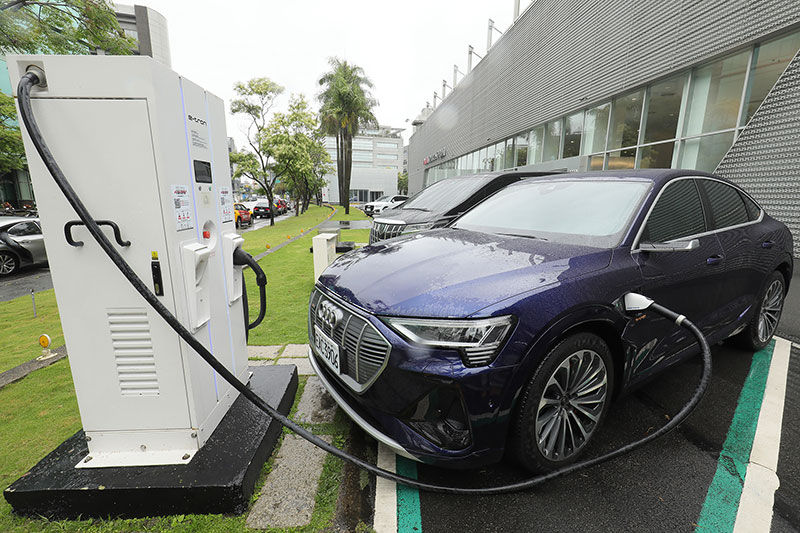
{"type": "Point", "coordinates": [420, 396]}
{"type": "Point", "coordinates": [371, 430]}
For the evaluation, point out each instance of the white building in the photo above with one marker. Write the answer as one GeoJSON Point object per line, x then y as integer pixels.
{"type": "Point", "coordinates": [377, 158]}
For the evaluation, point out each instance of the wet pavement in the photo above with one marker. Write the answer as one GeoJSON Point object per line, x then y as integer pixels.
{"type": "Point", "coordinates": [661, 487]}
{"type": "Point", "coordinates": [36, 278]}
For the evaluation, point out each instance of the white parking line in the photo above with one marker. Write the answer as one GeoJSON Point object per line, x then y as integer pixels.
{"type": "Point", "coordinates": [761, 480]}
{"type": "Point", "coordinates": [385, 520]}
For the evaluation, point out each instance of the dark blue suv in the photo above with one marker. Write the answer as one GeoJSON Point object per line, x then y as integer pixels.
{"type": "Point", "coordinates": [504, 332]}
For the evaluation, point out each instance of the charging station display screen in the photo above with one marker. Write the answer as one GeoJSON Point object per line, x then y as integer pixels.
{"type": "Point", "coordinates": [202, 171]}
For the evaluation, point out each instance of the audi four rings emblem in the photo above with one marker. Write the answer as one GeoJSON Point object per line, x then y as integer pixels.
{"type": "Point", "coordinates": [329, 314]}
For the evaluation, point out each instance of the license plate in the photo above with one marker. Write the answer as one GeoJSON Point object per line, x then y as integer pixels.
{"type": "Point", "coordinates": [328, 349]}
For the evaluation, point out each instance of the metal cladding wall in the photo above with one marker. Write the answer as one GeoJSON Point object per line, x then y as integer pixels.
{"type": "Point", "coordinates": [765, 159]}
{"type": "Point", "coordinates": [562, 56]}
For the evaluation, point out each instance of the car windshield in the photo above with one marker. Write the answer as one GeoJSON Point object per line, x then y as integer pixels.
{"type": "Point", "coordinates": [445, 194]}
{"type": "Point", "coordinates": [383, 199]}
{"type": "Point", "coordinates": [586, 212]}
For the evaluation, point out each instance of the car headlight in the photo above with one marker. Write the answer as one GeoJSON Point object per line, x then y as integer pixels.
{"type": "Point", "coordinates": [478, 340]}
{"type": "Point", "coordinates": [411, 228]}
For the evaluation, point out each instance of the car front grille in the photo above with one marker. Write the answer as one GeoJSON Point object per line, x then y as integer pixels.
{"type": "Point", "coordinates": [384, 230]}
{"type": "Point", "coordinates": [364, 350]}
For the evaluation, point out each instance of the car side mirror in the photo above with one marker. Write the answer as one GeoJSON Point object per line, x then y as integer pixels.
{"type": "Point", "coordinates": [674, 246]}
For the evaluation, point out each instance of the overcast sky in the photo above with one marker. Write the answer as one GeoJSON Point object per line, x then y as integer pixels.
{"type": "Point", "coordinates": [406, 48]}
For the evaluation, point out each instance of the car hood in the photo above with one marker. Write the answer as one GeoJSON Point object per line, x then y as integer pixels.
{"type": "Point", "coordinates": [453, 273]}
{"type": "Point", "coordinates": [409, 216]}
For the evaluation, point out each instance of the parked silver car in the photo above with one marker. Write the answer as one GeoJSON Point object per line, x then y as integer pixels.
{"type": "Point", "coordinates": [21, 244]}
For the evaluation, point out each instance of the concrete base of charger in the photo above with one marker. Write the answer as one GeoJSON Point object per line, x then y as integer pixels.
{"type": "Point", "coordinates": [220, 478]}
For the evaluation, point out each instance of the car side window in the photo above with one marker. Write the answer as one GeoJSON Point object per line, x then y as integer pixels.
{"type": "Point", "coordinates": [727, 206]}
{"type": "Point", "coordinates": [753, 211]}
{"type": "Point", "coordinates": [24, 229]}
{"type": "Point", "coordinates": [678, 213]}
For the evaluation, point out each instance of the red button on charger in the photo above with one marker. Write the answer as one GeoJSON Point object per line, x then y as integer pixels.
{"type": "Point", "coordinates": [206, 234]}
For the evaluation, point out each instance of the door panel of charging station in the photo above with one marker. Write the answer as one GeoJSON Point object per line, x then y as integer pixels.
{"type": "Point", "coordinates": [212, 197]}
{"type": "Point", "coordinates": [113, 171]}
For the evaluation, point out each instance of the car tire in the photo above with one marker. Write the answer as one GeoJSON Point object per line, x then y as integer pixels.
{"type": "Point", "coordinates": [767, 316]}
{"type": "Point", "coordinates": [551, 429]}
{"type": "Point", "coordinates": [238, 224]}
{"type": "Point", "coordinates": [9, 263]}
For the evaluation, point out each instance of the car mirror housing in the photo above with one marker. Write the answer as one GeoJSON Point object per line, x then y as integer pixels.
{"type": "Point", "coordinates": [674, 246]}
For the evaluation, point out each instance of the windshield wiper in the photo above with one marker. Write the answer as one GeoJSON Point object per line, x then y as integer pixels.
{"type": "Point", "coordinates": [521, 235]}
{"type": "Point", "coordinates": [418, 209]}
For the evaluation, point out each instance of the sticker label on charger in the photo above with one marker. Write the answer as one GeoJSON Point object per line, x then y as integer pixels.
{"type": "Point", "coordinates": [226, 204]}
{"type": "Point", "coordinates": [182, 205]}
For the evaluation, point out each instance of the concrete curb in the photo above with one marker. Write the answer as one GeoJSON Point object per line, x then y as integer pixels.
{"type": "Point", "coordinates": [20, 371]}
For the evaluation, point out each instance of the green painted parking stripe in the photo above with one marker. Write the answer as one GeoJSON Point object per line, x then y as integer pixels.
{"type": "Point", "coordinates": [409, 518]}
{"type": "Point", "coordinates": [722, 500]}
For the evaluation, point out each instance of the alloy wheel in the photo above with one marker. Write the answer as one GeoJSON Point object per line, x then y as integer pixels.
{"type": "Point", "coordinates": [7, 264]}
{"type": "Point", "coordinates": [571, 405]}
{"type": "Point", "coordinates": [770, 312]}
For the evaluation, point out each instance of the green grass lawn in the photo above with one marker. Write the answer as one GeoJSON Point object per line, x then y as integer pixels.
{"type": "Point", "coordinates": [354, 235]}
{"type": "Point", "coordinates": [40, 411]}
{"type": "Point", "coordinates": [355, 214]}
{"type": "Point", "coordinates": [256, 241]}
{"type": "Point", "coordinates": [20, 340]}
{"type": "Point", "coordinates": [290, 279]}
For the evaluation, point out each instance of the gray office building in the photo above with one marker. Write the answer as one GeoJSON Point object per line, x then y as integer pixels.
{"type": "Point", "coordinates": [148, 27]}
{"type": "Point", "coordinates": [377, 159]}
{"type": "Point", "coordinates": [712, 86]}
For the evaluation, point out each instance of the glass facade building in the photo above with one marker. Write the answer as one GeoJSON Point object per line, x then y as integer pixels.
{"type": "Point", "coordinates": [688, 119]}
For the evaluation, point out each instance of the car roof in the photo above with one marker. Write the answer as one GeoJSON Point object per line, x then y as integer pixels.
{"type": "Point", "coordinates": [659, 176]}
{"type": "Point", "coordinates": [10, 221]}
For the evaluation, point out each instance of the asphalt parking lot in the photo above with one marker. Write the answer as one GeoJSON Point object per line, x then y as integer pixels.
{"type": "Point", "coordinates": [662, 487]}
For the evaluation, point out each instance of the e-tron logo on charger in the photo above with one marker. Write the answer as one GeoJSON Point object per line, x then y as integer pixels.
{"type": "Point", "coordinates": [195, 119]}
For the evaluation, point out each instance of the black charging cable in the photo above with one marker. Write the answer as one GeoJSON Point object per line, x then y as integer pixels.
{"type": "Point", "coordinates": [31, 79]}
{"type": "Point", "coordinates": [242, 258]}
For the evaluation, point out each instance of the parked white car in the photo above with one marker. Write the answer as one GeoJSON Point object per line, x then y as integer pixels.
{"type": "Point", "coordinates": [384, 202]}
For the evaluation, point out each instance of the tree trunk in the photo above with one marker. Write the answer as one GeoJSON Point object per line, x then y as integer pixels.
{"type": "Point", "coordinates": [348, 166]}
{"type": "Point", "coordinates": [340, 165]}
{"type": "Point", "coordinates": [271, 211]}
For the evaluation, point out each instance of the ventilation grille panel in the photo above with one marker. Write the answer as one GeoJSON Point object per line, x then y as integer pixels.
{"type": "Point", "coordinates": [133, 352]}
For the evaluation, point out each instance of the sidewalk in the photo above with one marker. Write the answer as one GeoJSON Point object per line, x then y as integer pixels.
{"type": "Point", "coordinates": [289, 495]}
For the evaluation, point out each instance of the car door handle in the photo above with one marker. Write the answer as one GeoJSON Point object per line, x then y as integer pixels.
{"type": "Point", "coordinates": [715, 259]}
{"type": "Point", "coordinates": [768, 244]}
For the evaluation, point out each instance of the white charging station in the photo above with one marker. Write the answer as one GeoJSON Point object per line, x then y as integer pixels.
{"type": "Point", "coordinates": [146, 150]}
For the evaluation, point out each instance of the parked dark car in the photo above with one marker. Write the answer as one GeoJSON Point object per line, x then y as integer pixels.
{"type": "Point", "coordinates": [21, 244]}
{"type": "Point", "coordinates": [505, 331]}
{"type": "Point", "coordinates": [261, 209]}
{"type": "Point", "coordinates": [441, 202]}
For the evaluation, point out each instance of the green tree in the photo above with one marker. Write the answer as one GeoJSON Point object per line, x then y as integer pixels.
{"type": "Point", "coordinates": [402, 183]}
{"type": "Point", "coordinates": [346, 105]}
{"type": "Point", "coordinates": [322, 166]}
{"type": "Point", "coordinates": [289, 139]}
{"type": "Point", "coordinates": [61, 27]}
{"type": "Point", "coordinates": [255, 99]}
{"type": "Point", "coordinates": [12, 153]}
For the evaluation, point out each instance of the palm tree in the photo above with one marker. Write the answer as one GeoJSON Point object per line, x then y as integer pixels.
{"type": "Point", "coordinates": [346, 105]}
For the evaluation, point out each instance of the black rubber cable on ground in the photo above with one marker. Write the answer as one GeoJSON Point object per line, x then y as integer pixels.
{"type": "Point", "coordinates": [31, 79]}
